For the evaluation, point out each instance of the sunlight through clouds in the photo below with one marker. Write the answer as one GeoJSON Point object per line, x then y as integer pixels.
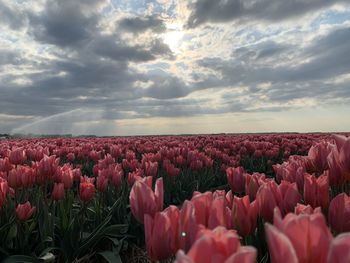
{"type": "Point", "coordinates": [131, 63]}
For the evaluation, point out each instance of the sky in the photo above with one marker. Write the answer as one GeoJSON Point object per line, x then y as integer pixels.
{"type": "Point", "coordinates": [140, 67]}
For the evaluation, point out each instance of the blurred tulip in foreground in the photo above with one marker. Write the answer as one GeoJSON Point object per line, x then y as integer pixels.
{"type": "Point", "coordinates": [161, 233]}
{"type": "Point", "coordinates": [339, 213]}
{"type": "Point", "coordinates": [298, 238]}
{"type": "Point", "coordinates": [217, 246]}
{"type": "Point", "coordinates": [339, 252]}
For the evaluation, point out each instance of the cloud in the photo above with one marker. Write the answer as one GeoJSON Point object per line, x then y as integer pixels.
{"type": "Point", "coordinates": [325, 60]}
{"type": "Point", "coordinates": [206, 11]}
{"type": "Point", "coordinates": [8, 57]}
{"type": "Point", "coordinates": [11, 16]}
{"type": "Point", "coordinates": [64, 23]}
{"type": "Point", "coordinates": [89, 66]}
{"type": "Point", "coordinates": [138, 25]}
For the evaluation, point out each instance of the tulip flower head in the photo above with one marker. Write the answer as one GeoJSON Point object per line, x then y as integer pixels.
{"type": "Point", "coordinates": [24, 211]}
{"type": "Point", "coordinates": [86, 191]}
{"type": "Point", "coordinates": [143, 200]}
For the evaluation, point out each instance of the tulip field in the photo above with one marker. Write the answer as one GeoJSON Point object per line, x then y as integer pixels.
{"type": "Point", "coordinates": [185, 199]}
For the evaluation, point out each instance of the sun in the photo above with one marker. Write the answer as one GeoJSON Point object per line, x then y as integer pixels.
{"type": "Point", "coordinates": [173, 38]}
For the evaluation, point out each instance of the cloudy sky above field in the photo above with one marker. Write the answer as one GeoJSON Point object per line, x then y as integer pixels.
{"type": "Point", "coordinates": [122, 67]}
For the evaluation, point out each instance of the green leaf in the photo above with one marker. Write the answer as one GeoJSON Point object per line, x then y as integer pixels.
{"type": "Point", "coordinates": [3, 251]}
{"type": "Point", "coordinates": [265, 259]}
{"type": "Point", "coordinates": [110, 257]}
{"type": "Point", "coordinates": [20, 258]}
{"type": "Point", "coordinates": [94, 237]}
{"type": "Point", "coordinates": [4, 227]}
{"type": "Point", "coordinates": [116, 230]}
{"type": "Point", "coordinates": [12, 232]}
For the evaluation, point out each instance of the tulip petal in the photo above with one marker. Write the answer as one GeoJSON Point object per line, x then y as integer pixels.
{"type": "Point", "coordinates": [280, 247]}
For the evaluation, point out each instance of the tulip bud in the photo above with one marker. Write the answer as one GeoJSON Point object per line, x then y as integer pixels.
{"type": "Point", "coordinates": [102, 183]}
{"type": "Point", "coordinates": [236, 179]}
{"type": "Point", "coordinates": [143, 200]}
{"type": "Point", "coordinates": [24, 211]}
{"type": "Point", "coordinates": [58, 191]}
{"type": "Point", "coordinates": [86, 191]}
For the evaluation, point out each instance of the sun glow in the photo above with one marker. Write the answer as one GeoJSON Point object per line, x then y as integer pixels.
{"type": "Point", "coordinates": [173, 38]}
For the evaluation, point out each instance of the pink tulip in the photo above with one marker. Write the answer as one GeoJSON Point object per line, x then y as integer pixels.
{"type": "Point", "coordinates": [340, 140]}
{"type": "Point", "coordinates": [47, 167]}
{"type": "Point", "coordinates": [86, 191]}
{"type": "Point", "coordinates": [161, 233]}
{"type": "Point", "coordinates": [187, 226]}
{"type": "Point", "coordinates": [5, 165]}
{"type": "Point", "coordinates": [218, 245]}
{"type": "Point", "coordinates": [252, 184]}
{"type": "Point", "coordinates": [151, 168]}
{"type": "Point", "coordinates": [24, 211]}
{"type": "Point", "coordinates": [317, 156]}
{"type": "Point", "coordinates": [217, 213]}
{"type": "Point", "coordinates": [102, 183]}
{"type": "Point", "coordinates": [268, 197]}
{"type": "Point", "coordinates": [339, 251]}
{"type": "Point", "coordinates": [306, 236]}
{"type": "Point", "coordinates": [244, 215]}
{"type": "Point", "coordinates": [306, 209]}
{"type": "Point", "coordinates": [339, 213]}
{"type": "Point", "coordinates": [58, 191]}
{"type": "Point", "coordinates": [70, 157]}
{"type": "Point", "coordinates": [344, 159]}
{"type": "Point", "coordinates": [143, 200]}
{"type": "Point", "coordinates": [202, 203]}
{"type": "Point", "coordinates": [290, 196]}
{"type": "Point", "coordinates": [236, 179]}
{"type": "Point", "coordinates": [316, 190]}
{"type": "Point", "coordinates": [28, 176]}
{"type": "Point", "coordinates": [117, 176]}
{"type": "Point", "coordinates": [14, 178]}
{"type": "Point", "coordinates": [336, 172]}
{"type": "Point", "coordinates": [67, 177]}
{"type": "Point", "coordinates": [4, 189]}
{"type": "Point", "coordinates": [17, 156]}
{"type": "Point", "coordinates": [280, 247]}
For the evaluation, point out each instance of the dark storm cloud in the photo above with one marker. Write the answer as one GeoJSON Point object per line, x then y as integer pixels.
{"type": "Point", "coordinates": [108, 47]}
{"type": "Point", "coordinates": [137, 25]}
{"type": "Point", "coordinates": [204, 11]}
{"type": "Point", "coordinates": [63, 23]}
{"type": "Point", "coordinates": [167, 87]}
